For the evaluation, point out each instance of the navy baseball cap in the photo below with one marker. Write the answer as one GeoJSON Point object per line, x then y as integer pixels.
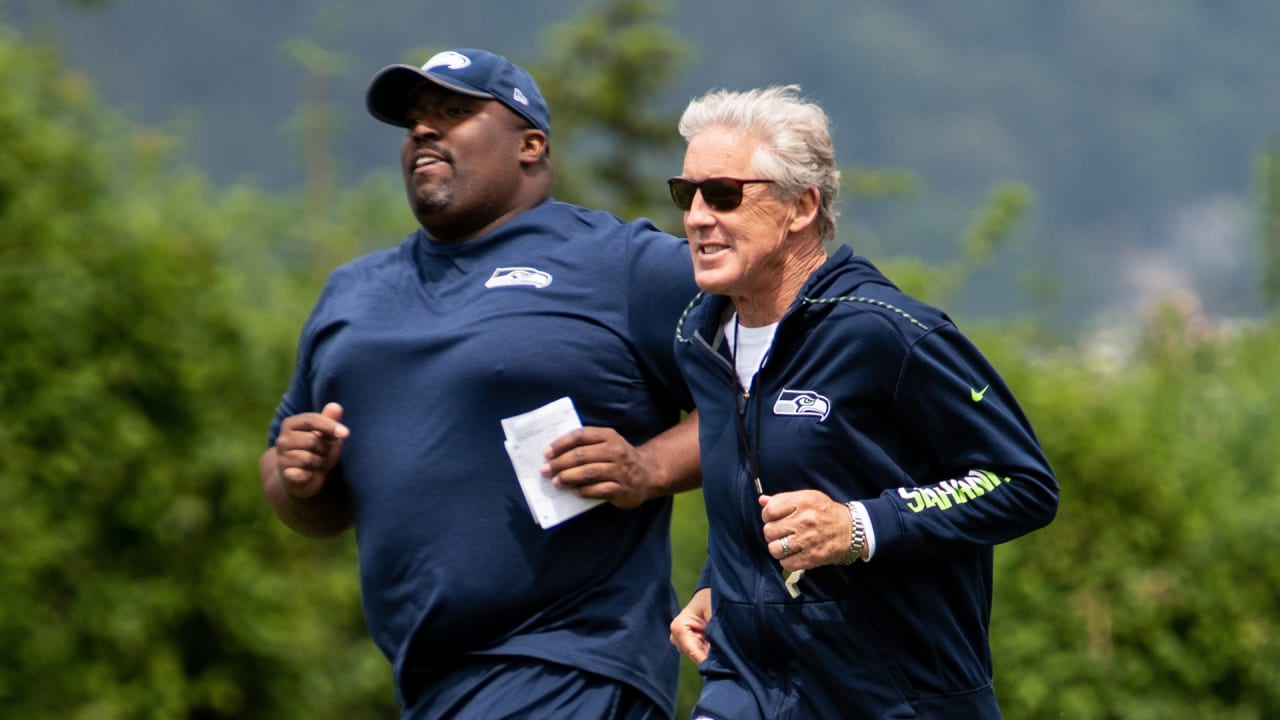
{"type": "Point", "coordinates": [478, 73]}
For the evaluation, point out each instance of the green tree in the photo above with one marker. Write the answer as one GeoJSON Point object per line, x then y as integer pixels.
{"type": "Point", "coordinates": [603, 74]}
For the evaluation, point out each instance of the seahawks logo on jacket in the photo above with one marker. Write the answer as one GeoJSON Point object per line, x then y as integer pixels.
{"type": "Point", "coordinates": [805, 403]}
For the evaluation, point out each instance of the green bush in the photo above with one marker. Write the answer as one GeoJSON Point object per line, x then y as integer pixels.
{"type": "Point", "coordinates": [143, 574]}
{"type": "Point", "coordinates": [1152, 595]}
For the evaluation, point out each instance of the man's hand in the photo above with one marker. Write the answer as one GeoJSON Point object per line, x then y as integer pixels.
{"type": "Point", "coordinates": [689, 628]}
{"type": "Point", "coordinates": [295, 473]}
{"type": "Point", "coordinates": [816, 529]}
{"type": "Point", "coordinates": [307, 449]}
{"type": "Point", "coordinates": [597, 462]}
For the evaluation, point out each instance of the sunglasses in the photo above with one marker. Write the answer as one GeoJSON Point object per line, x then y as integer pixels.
{"type": "Point", "coordinates": [720, 193]}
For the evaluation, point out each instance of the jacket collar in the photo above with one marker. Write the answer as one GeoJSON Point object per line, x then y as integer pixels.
{"type": "Point", "coordinates": [704, 316]}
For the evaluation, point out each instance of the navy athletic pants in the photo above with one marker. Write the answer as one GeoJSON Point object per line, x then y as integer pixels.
{"type": "Point", "coordinates": [517, 688]}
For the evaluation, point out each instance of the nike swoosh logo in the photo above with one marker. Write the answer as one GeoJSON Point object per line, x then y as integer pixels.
{"type": "Point", "coordinates": [977, 395]}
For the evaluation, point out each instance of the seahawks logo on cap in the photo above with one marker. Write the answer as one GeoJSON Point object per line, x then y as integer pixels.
{"type": "Point", "coordinates": [805, 403]}
{"type": "Point", "coordinates": [518, 277]}
{"type": "Point", "coordinates": [448, 59]}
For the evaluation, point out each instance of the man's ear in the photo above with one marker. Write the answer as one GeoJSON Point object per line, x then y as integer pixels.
{"type": "Point", "coordinates": [806, 210]}
{"type": "Point", "coordinates": [533, 146]}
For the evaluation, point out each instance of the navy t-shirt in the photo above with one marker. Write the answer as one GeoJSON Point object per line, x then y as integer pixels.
{"type": "Point", "coordinates": [428, 346]}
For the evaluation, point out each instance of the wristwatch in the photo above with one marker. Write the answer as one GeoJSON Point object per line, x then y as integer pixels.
{"type": "Point", "coordinates": [857, 536]}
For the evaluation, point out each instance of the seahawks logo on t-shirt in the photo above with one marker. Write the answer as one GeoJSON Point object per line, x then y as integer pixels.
{"type": "Point", "coordinates": [518, 277]}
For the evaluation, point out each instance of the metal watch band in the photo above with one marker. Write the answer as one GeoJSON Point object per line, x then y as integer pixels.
{"type": "Point", "coordinates": [857, 536]}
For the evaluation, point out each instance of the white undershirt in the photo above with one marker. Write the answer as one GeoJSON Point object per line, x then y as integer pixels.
{"type": "Point", "coordinates": [749, 346]}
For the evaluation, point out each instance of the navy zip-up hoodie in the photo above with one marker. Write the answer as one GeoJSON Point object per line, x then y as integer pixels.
{"type": "Point", "coordinates": [866, 394]}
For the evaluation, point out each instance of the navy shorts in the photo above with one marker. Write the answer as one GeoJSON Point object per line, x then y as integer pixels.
{"type": "Point", "coordinates": [519, 688]}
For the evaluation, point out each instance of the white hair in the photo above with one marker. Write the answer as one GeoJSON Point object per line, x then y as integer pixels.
{"type": "Point", "coordinates": [795, 149]}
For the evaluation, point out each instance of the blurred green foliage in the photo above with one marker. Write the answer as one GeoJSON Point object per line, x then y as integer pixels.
{"type": "Point", "coordinates": [601, 74]}
{"type": "Point", "coordinates": [1153, 593]}
{"type": "Point", "coordinates": [145, 337]}
{"type": "Point", "coordinates": [148, 330]}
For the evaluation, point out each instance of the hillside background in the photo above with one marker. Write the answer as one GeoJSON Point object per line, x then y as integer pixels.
{"type": "Point", "coordinates": [1135, 126]}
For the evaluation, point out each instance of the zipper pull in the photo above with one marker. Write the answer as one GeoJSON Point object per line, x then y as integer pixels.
{"type": "Point", "coordinates": [759, 487]}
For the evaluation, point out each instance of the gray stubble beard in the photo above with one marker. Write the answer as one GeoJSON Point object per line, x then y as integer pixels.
{"type": "Point", "coordinates": [433, 200]}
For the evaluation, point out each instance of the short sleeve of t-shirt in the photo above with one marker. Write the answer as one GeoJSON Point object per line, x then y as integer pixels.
{"type": "Point", "coordinates": [660, 288]}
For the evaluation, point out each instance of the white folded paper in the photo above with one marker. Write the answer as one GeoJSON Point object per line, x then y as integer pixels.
{"type": "Point", "coordinates": [527, 436]}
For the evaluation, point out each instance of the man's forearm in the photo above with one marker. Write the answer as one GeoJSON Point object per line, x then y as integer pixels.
{"type": "Point", "coordinates": [676, 457]}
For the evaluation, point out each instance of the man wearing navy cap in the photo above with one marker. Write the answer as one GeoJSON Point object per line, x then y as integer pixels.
{"type": "Point", "coordinates": [503, 301]}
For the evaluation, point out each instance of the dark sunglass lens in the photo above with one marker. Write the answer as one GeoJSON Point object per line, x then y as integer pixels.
{"type": "Point", "coordinates": [682, 192]}
{"type": "Point", "coordinates": [722, 193]}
